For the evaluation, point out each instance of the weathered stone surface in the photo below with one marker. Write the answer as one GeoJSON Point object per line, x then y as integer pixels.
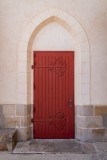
{"type": "Point", "coordinates": [89, 121]}
{"type": "Point", "coordinates": [101, 148]}
{"type": "Point", "coordinates": [31, 111]}
{"type": "Point", "coordinates": [87, 148]}
{"type": "Point", "coordinates": [85, 110]}
{"type": "Point", "coordinates": [23, 134]}
{"type": "Point", "coordinates": [2, 122]}
{"type": "Point", "coordinates": [3, 138]}
{"type": "Point", "coordinates": [23, 110]}
{"type": "Point", "coordinates": [91, 134]}
{"type": "Point", "coordinates": [98, 133]}
{"type": "Point", "coordinates": [12, 122]}
{"type": "Point", "coordinates": [99, 110]}
{"type": "Point", "coordinates": [94, 122]}
{"type": "Point", "coordinates": [58, 156]}
{"type": "Point", "coordinates": [104, 117]}
{"type": "Point", "coordinates": [54, 146]}
{"type": "Point", "coordinates": [83, 134]}
{"type": "Point", "coordinates": [8, 139]}
{"type": "Point", "coordinates": [12, 140]}
{"type": "Point", "coordinates": [26, 121]}
{"type": "Point", "coordinates": [2, 118]}
{"type": "Point", "coordinates": [9, 110]}
{"type": "Point", "coordinates": [1, 110]}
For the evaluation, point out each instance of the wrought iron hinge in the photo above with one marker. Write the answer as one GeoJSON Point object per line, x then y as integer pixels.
{"type": "Point", "coordinates": [32, 120]}
{"type": "Point", "coordinates": [32, 66]}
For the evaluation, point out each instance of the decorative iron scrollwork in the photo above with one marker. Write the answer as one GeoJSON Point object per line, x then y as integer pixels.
{"type": "Point", "coordinates": [59, 67]}
{"type": "Point", "coordinates": [58, 120]}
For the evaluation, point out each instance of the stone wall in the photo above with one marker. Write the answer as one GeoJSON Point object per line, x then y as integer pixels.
{"type": "Point", "coordinates": [19, 117]}
{"type": "Point", "coordinates": [91, 123]}
{"type": "Point", "coordinates": [1, 117]}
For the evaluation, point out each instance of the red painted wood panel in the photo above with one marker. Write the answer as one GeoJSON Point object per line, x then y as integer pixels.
{"type": "Point", "coordinates": [53, 90]}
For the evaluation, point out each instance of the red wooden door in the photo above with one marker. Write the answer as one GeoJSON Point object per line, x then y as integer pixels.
{"type": "Point", "coordinates": [53, 94]}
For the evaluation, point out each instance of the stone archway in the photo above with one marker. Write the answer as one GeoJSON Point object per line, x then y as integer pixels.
{"type": "Point", "coordinates": [82, 59]}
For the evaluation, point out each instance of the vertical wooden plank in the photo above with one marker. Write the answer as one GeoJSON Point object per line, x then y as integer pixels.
{"type": "Point", "coordinates": [42, 107]}
{"type": "Point", "coordinates": [49, 97]}
{"type": "Point", "coordinates": [48, 133]}
{"type": "Point", "coordinates": [51, 105]}
{"type": "Point", "coordinates": [39, 108]}
{"type": "Point", "coordinates": [67, 97]}
{"type": "Point", "coordinates": [54, 112]}
{"type": "Point", "coordinates": [45, 117]}
{"type": "Point", "coordinates": [55, 89]}
{"type": "Point", "coordinates": [34, 95]}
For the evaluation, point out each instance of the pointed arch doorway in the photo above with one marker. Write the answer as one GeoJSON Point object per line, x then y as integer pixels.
{"type": "Point", "coordinates": [82, 58]}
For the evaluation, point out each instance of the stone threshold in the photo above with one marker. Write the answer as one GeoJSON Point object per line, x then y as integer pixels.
{"type": "Point", "coordinates": [54, 146]}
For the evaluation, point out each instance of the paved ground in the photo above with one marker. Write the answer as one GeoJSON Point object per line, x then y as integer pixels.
{"type": "Point", "coordinates": [100, 147]}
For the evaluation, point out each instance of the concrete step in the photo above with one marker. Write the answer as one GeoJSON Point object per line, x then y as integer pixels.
{"type": "Point", "coordinates": [8, 139]}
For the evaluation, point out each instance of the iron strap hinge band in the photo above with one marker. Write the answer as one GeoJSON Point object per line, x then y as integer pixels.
{"type": "Point", "coordinates": [32, 66]}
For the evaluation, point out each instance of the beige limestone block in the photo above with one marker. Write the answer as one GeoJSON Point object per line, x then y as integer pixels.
{"type": "Point", "coordinates": [9, 110]}
{"type": "Point", "coordinates": [100, 110]}
{"type": "Point", "coordinates": [23, 110]}
{"type": "Point", "coordinates": [25, 121]}
{"type": "Point", "coordinates": [89, 121]}
{"type": "Point", "coordinates": [23, 134]}
{"type": "Point", "coordinates": [12, 122]}
{"type": "Point", "coordinates": [84, 110]}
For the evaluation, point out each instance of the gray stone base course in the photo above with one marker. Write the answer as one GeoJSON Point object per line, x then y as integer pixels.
{"type": "Point", "coordinates": [90, 121]}
{"type": "Point", "coordinates": [92, 134]}
{"type": "Point", "coordinates": [8, 139]}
